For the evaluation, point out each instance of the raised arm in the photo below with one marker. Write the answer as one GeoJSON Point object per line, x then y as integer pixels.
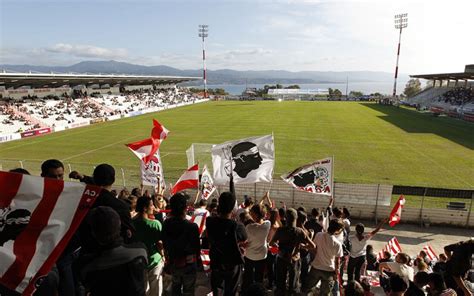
{"type": "Point", "coordinates": [377, 229]}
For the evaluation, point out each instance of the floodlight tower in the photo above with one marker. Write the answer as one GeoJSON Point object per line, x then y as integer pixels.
{"type": "Point", "coordinates": [203, 33]}
{"type": "Point", "coordinates": [401, 22]}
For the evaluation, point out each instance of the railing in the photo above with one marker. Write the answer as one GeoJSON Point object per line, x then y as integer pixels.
{"type": "Point", "coordinates": [425, 206]}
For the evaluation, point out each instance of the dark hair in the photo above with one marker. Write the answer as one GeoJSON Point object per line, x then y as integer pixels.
{"type": "Point", "coordinates": [387, 254]}
{"type": "Point", "coordinates": [291, 216]}
{"type": "Point", "coordinates": [105, 225]}
{"type": "Point", "coordinates": [274, 217]}
{"type": "Point", "coordinates": [143, 202]}
{"type": "Point", "coordinates": [360, 228]}
{"type": "Point", "coordinates": [203, 202]}
{"type": "Point", "coordinates": [337, 212]}
{"type": "Point", "coordinates": [20, 171]}
{"type": "Point", "coordinates": [422, 278]}
{"type": "Point", "coordinates": [226, 203]}
{"type": "Point", "coordinates": [302, 217]}
{"type": "Point", "coordinates": [247, 202]}
{"type": "Point", "coordinates": [301, 209]}
{"type": "Point", "coordinates": [437, 281]}
{"type": "Point", "coordinates": [104, 175]}
{"type": "Point", "coordinates": [405, 258]}
{"type": "Point", "coordinates": [335, 225]}
{"type": "Point", "coordinates": [353, 288]}
{"type": "Point", "coordinates": [346, 212]}
{"type": "Point", "coordinates": [135, 191]}
{"type": "Point", "coordinates": [51, 164]}
{"type": "Point", "coordinates": [315, 212]}
{"type": "Point", "coordinates": [258, 210]}
{"type": "Point", "coordinates": [369, 249]}
{"type": "Point", "coordinates": [179, 203]}
{"type": "Point", "coordinates": [397, 283]}
{"type": "Point", "coordinates": [245, 218]}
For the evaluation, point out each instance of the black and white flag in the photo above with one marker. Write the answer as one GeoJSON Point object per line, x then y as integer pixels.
{"type": "Point", "coordinates": [316, 177]}
{"type": "Point", "coordinates": [249, 160]}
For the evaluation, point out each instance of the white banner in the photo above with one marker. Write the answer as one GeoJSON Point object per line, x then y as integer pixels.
{"type": "Point", "coordinates": [206, 186]}
{"type": "Point", "coordinates": [250, 160]}
{"type": "Point", "coordinates": [316, 177]}
{"type": "Point", "coordinates": [152, 173]}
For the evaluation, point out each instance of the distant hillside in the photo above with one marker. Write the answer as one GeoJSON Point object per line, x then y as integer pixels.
{"type": "Point", "coordinates": [223, 76]}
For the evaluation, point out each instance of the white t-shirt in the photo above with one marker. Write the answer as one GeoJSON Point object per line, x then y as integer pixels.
{"type": "Point", "coordinates": [257, 240]}
{"type": "Point", "coordinates": [358, 246]}
{"type": "Point", "coordinates": [328, 248]}
{"type": "Point", "coordinates": [402, 270]}
{"type": "Point", "coordinates": [199, 211]}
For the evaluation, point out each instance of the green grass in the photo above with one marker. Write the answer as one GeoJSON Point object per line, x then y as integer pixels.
{"type": "Point", "coordinates": [370, 143]}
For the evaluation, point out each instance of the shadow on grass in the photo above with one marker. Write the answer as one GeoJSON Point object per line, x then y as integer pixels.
{"type": "Point", "coordinates": [412, 121]}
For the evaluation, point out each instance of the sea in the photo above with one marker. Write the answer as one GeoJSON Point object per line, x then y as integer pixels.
{"type": "Point", "coordinates": [364, 87]}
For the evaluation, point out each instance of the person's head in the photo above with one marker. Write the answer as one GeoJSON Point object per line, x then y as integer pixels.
{"type": "Point", "coordinates": [145, 205]}
{"type": "Point", "coordinates": [104, 175]}
{"type": "Point", "coordinates": [160, 202]}
{"type": "Point", "coordinates": [387, 255]}
{"type": "Point", "coordinates": [52, 168]}
{"type": "Point", "coordinates": [135, 191]}
{"type": "Point", "coordinates": [421, 265]}
{"type": "Point", "coordinates": [360, 228]}
{"type": "Point", "coordinates": [436, 283]}
{"type": "Point", "coordinates": [105, 225]}
{"type": "Point", "coordinates": [291, 216]}
{"type": "Point", "coordinates": [315, 213]}
{"type": "Point", "coordinates": [302, 218]}
{"type": "Point", "coordinates": [301, 209]}
{"type": "Point", "coordinates": [257, 212]}
{"type": "Point", "coordinates": [422, 254]}
{"type": "Point", "coordinates": [245, 218]}
{"type": "Point", "coordinates": [226, 203]}
{"type": "Point", "coordinates": [421, 279]}
{"type": "Point", "coordinates": [402, 258]}
{"type": "Point", "coordinates": [369, 249]}
{"type": "Point", "coordinates": [133, 202]}
{"type": "Point", "coordinates": [178, 204]}
{"type": "Point", "coordinates": [353, 288]}
{"type": "Point", "coordinates": [335, 227]}
{"type": "Point", "coordinates": [398, 285]}
{"type": "Point", "coordinates": [337, 212]}
{"type": "Point", "coordinates": [345, 213]}
{"type": "Point", "coordinates": [442, 257]}
{"type": "Point", "coordinates": [203, 203]}
{"type": "Point", "coordinates": [246, 158]}
{"type": "Point", "coordinates": [247, 202]}
{"type": "Point", "coordinates": [124, 194]}
{"type": "Point", "coordinates": [282, 213]}
{"type": "Point", "coordinates": [20, 171]}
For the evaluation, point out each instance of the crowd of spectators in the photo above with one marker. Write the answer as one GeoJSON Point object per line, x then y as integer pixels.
{"type": "Point", "coordinates": [458, 96]}
{"type": "Point", "coordinates": [79, 107]}
{"type": "Point", "coordinates": [143, 243]}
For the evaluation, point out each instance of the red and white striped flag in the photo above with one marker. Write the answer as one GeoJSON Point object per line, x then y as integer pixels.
{"type": "Point", "coordinates": [38, 217]}
{"type": "Point", "coordinates": [430, 252]}
{"type": "Point", "coordinates": [189, 179]}
{"type": "Point", "coordinates": [396, 214]}
{"type": "Point", "coordinates": [145, 149]}
{"type": "Point", "coordinates": [206, 260]}
{"type": "Point", "coordinates": [200, 220]}
{"type": "Point", "coordinates": [393, 247]}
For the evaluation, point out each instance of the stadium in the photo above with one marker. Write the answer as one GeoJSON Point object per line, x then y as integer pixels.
{"type": "Point", "coordinates": [379, 150]}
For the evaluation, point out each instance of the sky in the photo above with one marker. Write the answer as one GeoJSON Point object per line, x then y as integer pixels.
{"type": "Point", "coordinates": [295, 35]}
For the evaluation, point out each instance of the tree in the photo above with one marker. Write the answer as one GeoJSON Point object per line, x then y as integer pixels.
{"type": "Point", "coordinates": [356, 94]}
{"type": "Point", "coordinates": [337, 93]}
{"type": "Point", "coordinates": [412, 87]}
{"type": "Point", "coordinates": [295, 86]}
{"type": "Point", "coordinates": [330, 92]}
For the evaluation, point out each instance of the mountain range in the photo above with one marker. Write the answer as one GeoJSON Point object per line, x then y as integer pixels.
{"type": "Point", "coordinates": [222, 76]}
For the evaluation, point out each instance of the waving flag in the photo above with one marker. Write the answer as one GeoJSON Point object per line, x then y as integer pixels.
{"type": "Point", "coordinates": [316, 177]}
{"type": "Point", "coordinates": [200, 220]}
{"type": "Point", "coordinates": [396, 214]}
{"type": "Point", "coordinates": [38, 217]}
{"type": "Point", "coordinates": [152, 172]}
{"type": "Point", "coordinates": [207, 186]}
{"type": "Point", "coordinates": [188, 180]}
{"type": "Point", "coordinates": [393, 247]}
{"type": "Point", "coordinates": [430, 252]}
{"type": "Point", "coordinates": [248, 160]}
{"type": "Point", "coordinates": [146, 149]}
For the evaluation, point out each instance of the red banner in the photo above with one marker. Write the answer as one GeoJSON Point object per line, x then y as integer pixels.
{"type": "Point", "coordinates": [36, 132]}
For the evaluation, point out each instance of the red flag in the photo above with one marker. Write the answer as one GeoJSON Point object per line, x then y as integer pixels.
{"type": "Point", "coordinates": [38, 217]}
{"type": "Point", "coordinates": [145, 149]}
{"type": "Point", "coordinates": [393, 247]}
{"type": "Point", "coordinates": [396, 213]}
{"type": "Point", "coordinates": [430, 252]}
{"type": "Point", "coordinates": [188, 180]}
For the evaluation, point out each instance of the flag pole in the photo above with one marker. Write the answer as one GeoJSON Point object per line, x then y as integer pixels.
{"type": "Point", "coordinates": [332, 178]}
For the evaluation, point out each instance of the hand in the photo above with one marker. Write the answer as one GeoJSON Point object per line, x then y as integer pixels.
{"type": "Point", "coordinates": [75, 175]}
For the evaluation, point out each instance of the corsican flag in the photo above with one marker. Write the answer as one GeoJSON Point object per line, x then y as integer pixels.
{"type": "Point", "coordinates": [316, 177]}
{"type": "Point", "coordinates": [249, 160]}
{"type": "Point", "coordinates": [206, 186]}
{"type": "Point", "coordinates": [38, 217]}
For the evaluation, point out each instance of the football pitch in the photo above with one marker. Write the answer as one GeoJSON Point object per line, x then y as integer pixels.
{"type": "Point", "coordinates": [370, 143]}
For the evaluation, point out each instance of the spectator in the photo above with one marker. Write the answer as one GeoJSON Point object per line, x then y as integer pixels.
{"type": "Point", "coordinates": [52, 168]}
{"type": "Point", "coordinates": [398, 285]}
{"type": "Point", "coordinates": [271, 255]}
{"type": "Point", "coordinates": [312, 223]}
{"type": "Point", "coordinates": [400, 267]}
{"type": "Point", "coordinates": [353, 288]}
{"type": "Point", "coordinates": [416, 288]}
{"type": "Point", "coordinates": [371, 258]}
{"type": "Point", "coordinates": [459, 262]}
{"type": "Point", "coordinates": [148, 232]}
{"type": "Point", "coordinates": [181, 245]}
{"type": "Point", "coordinates": [357, 254]}
{"type": "Point", "coordinates": [256, 248]}
{"type": "Point", "coordinates": [437, 286]}
{"type": "Point", "coordinates": [113, 268]}
{"type": "Point", "coordinates": [325, 266]}
{"type": "Point", "coordinates": [225, 237]}
{"type": "Point", "coordinates": [441, 265]}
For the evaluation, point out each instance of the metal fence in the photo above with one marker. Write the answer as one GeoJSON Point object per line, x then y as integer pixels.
{"type": "Point", "coordinates": [424, 205]}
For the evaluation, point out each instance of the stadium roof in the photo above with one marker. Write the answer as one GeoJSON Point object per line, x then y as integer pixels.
{"type": "Point", "coordinates": [468, 74]}
{"type": "Point", "coordinates": [35, 80]}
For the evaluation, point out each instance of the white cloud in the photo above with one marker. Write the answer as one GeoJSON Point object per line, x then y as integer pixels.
{"type": "Point", "coordinates": [88, 51]}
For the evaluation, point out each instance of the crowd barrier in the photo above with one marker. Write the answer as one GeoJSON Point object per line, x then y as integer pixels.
{"type": "Point", "coordinates": [42, 131]}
